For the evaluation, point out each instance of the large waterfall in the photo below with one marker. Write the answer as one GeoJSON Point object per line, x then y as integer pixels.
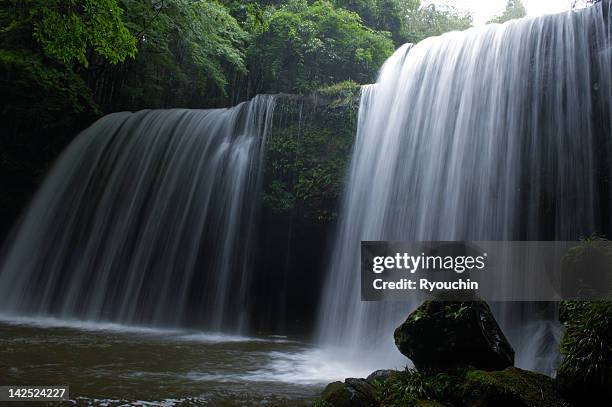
{"type": "Point", "coordinates": [495, 133]}
{"type": "Point", "coordinates": [147, 218]}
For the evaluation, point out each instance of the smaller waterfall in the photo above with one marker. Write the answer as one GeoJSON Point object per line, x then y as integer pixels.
{"type": "Point", "coordinates": [147, 218]}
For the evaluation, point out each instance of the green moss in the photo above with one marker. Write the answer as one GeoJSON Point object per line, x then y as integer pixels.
{"type": "Point", "coordinates": [510, 387]}
{"type": "Point", "coordinates": [454, 310]}
{"type": "Point", "coordinates": [335, 394]}
{"type": "Point", "coordinates": [421, 312]}
{"type": "Point", "coordinates": [351, 393]}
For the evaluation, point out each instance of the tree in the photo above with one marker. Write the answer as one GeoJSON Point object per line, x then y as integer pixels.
{"type": "Point", "coordinates": [432, 20]}
{"type": "Point", "coordinates": [305, 46]}
{"type": "Point", "coordinates": [44, 46]}
{"type": "Point", "coordinates": [68, 32]}
{"type": "Point", "coordinates": [187, 48]}
{"type": "Point", "coordinates": [381, 15]}
{"type": "Point", "coordinates": [514, 9]}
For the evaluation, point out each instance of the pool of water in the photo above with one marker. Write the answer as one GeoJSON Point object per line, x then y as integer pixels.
{"type": "Point", "coordinates": [111, 364]}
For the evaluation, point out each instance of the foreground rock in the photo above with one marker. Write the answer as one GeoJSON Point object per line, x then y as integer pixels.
{"type": "Point", "coordinates": [381, 375]}
{"type": "Point", "coordinates": [464, 360]}
{"type": "Point", "coordinates": [369, 392]}
{"type": "Point", "coordinates": [442, 336]}
{"type": "Point", "coordinates": [511, 387]}
{"type": "Point", "coordinates": [351, 393]}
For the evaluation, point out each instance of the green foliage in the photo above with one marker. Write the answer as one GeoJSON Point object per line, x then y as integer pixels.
{"type": "Point", "coordinates": [587, 343]}
{"type": "Point", "coordinates": [185, 47]}
{"type": "Point", "coordinates": [212, 35]}
{"type": "Point", "coordinates": [68, 29]}
{"type": "Point", "coordinates": [43, 90]}
{"type": "Point", "coordinates": [514, 9]}
{"type": "Point", "coordinates": [410, 388]}
{"type": "Point", "coordinates": [305, 46]}
{"type": "Point", "coordinates": [408, 20]}
{"type": "Point", "coordinates": [593, 237]}
{"type": "Point", "coordinates": [340, 94]}
{"type": "Point", "coordinates": [133, 54]}
{"type": "Point", "coordinates": [66, 61]}
{"type": "Point", "coordinates": [308, 152]}
{"type": "Point", "coordinates": [509, 387]}
{"type": "Point", "coordinates": [432, 20]}
{"type": "Point", "coordinates": [382, 15]}
{"type": "Point", "coordinates": [43, 44]}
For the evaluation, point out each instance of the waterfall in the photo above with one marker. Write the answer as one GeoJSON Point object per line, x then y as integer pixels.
{"type": "Point", "coordinates": [495, 133]}
{"type": "Point", "coordinates": [147, 218]}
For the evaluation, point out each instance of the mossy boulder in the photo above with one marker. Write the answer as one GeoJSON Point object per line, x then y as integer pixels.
{"type": "Point", "coordinates": [442, 336]}
{"type": "Point", "coordinates": [381, 375]}
{"type": "Point", "coordinates": [512, 387]}
{"type": "Point", "coordinates": [351, 393]}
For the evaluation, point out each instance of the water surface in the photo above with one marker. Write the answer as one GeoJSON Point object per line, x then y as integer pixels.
{"type": "Point", "coordinates": [106, 364]}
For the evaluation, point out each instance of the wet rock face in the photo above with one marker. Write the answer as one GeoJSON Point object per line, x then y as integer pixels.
{"type": "Point", "coordinates": [440, 336]}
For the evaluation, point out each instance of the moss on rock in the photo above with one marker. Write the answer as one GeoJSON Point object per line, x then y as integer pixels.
{"type": "Point", "coordinates": [512, 387]}
{"type": "Point", "coordinates": [336, 394]}
{"type": "Point", "coordinates": [411, 388]}
{"type": "Point", "coordinates": [441, 336]}
{"type": "Point", "coordinates": [351, 393]}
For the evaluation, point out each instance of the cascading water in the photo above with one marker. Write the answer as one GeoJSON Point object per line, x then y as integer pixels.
{"type": "Point", "coordinates": [495, 133]}
{"type": "Point", "coordinates": [145, 219]}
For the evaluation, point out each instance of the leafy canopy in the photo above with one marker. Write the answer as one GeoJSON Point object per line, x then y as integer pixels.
{"type": "Point", "coordinates": [187, 37]}
{"type": "Point", "coordinates": [514, 9]}
{"type": "Point", "coordinates": [67, 29]}
{"type": "Point", "coordinates": [43, 44]}
{"type": "Point", "coordinates": [382, 15]}
{"type": "Point", "coordinates": [305, 46]}
{"type": "Point", "coordinates": [431, 20]}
